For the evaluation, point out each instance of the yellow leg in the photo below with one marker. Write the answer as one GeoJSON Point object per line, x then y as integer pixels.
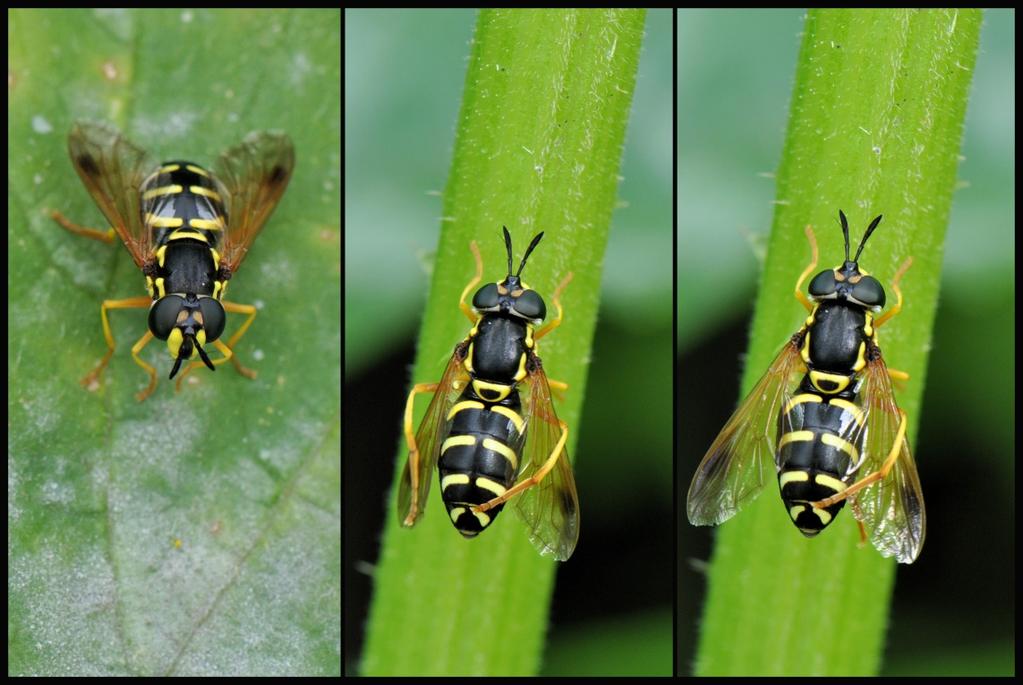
{"type": "Point", "coordinates": [863, 533]}
{"type": "Point", "coordinates": [106, 236]}
{"type": "Point", "coordinates": [808, 270]}
{"type": "Point", "coordinates": [556, 299]}
{"type": "Point", "coordinates": [898, 293]}
{"type": "Point", "coordinates": [136, 348]}
{"type": "Point", "coordinates": [559, 387]}
{"type": "Point", "coordinates": [235, 308]}
{"type": "Point", "coordinates": [897, 375]}
{"type": "Point", "coordinates": [870, 478]}
{"type": "Point", "coordinates": [92, 378]}
{"type": "Point", "coordinates": [466, 309]}
{"type": "Point", "coordinates": [413, 449]}
{"type": "Point", "coordinates": [536, 478]}
{"type": "Point", "coordinates": [227, 350]}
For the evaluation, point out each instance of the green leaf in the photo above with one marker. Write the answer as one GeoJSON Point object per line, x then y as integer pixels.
{"type": "Point", "coordinates": [539, 145]}
{"type": "Point", "coordinates": [876, 125]}
{"type": "Point", "coordinates": [198, 532]}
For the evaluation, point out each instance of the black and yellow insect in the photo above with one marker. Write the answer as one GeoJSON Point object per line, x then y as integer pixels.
{"type": "Point", "coordinates": [491, 443]}
{"type": "Point", "coordinates": [839, 435]}
{"type": "Point", "coordinates": [187, 229]}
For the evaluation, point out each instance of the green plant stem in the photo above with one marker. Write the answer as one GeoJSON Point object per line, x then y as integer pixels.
{"type": "Point", "coordinates": [538, 149]}
{"type": "Point", "coordinates": [876, 124]}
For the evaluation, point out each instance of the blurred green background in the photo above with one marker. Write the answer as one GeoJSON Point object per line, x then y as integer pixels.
{"type": "Point", "coordinates": [953, 609]}
{"type": "Point", "coordinates": [404, 74]}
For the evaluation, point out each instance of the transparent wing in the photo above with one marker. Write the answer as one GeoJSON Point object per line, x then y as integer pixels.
{"type": "Point", "coordinates": [113, 169]}
{"type": "Point", "coordinates": [892, 510]}
{"type": "Point", "coordinates": [551, 508]}
{"type": "Point", "coordinates": [428, 438]}
{"type": "Point", "coordinates": [741, 459]}
{"type": "Point", "coordinates": [254, 174]}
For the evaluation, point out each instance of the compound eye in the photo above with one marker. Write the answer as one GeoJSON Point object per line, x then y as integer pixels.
{"type": "Point", "coordinates": [163, 315]}
{"type": "Point", "coordinates": [869, 292]}
{"type": "Point", "coordinates": [213, 318]}
{"type": "Point", "coordinates": [486, 298]}
{"type": "Point", "coordinates": [530, 305]}
{"type": "Point", "coordinates": [823, 285]}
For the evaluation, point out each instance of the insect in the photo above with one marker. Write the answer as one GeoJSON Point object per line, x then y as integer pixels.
{"type": "Point", "coordinates": [188, 230]}
{"type": "Point", "coordinates": [840, 436]}
{"type": "Point", "coordinates": [492, 443]}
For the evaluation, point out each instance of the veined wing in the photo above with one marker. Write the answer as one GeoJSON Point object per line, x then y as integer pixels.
{"type": "Point", "coordinates": [113, 169]}
{"type": "Point", "coordinates": [550, 509]}
{"type": "Point", "coordinates": [254, 174]}
{"type": "Point", "coordinates": [742, 459]}
{"type": "Point", "coordinates": [892, 510]}
{"type": "Point", "coordinates": [414, 486]}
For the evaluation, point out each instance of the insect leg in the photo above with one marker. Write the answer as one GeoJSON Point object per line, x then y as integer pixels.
{"type": "Point", "coordinates": [898, 293]}
{"type": "Point", "coordinates": [413, 449]}
{"type": "Point", "coordinates": [556, 299]}
{"type": "Point", "coordinates": [897, 375]}
{"type": "Point", "coordinates": [106, 236]}
{"type": "Point", "coordinates": [559, 387]}
{"type": "Point", "coordinates": [94, 375]}
{"type": "Point", "coordinates": [239, 309]}
{"type": "Point", "coordinates": [808, 270]}
{"type": "Point", "coordinates": [536, 478]}
{"type": "Point", "coordinates": [143, 341]}
{"type": "Point", "coordinates": [870, 478]}
{"type": "Point", "coordinates": [466, 309]}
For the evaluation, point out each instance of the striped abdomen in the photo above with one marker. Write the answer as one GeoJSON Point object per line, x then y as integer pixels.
{"type": "Point", "coordinates": [816, 455]}
{"type": "Point", "coordinates": [479, 457]}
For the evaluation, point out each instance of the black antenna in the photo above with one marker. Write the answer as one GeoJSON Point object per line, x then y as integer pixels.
{"type": "Point", "coordinates": [870, 229]}
{"type": "Point", "coordinates": [202, 353]}
{"type": "Point", "coordinates": [177, 365]}
{"type": "Point", "coordinates": [845, 232]}
{"type": "Point", "coordinates": [528, 250]}
{"type": "Point", "coordinates": [507, 245]}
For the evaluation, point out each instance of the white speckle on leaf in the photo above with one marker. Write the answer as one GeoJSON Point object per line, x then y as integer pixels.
{"type": "Point", "coordinates": [56, 492]}
{"type": "Point", "coordinates": [176, 125]}
{"type": "Point", "coordinates": [300, 67]}
{"type": "Point", "coordinates": [41, 125]}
